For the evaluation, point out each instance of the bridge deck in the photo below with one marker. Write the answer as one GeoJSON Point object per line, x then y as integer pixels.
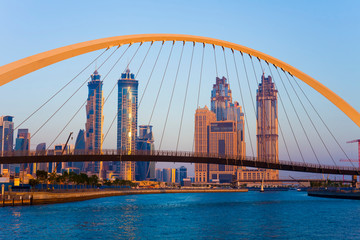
{"type": "Point", "coordinates": [184, 157]}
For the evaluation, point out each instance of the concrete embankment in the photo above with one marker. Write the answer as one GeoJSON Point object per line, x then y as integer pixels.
{"type": "Point", "coordinates": [61, 197]}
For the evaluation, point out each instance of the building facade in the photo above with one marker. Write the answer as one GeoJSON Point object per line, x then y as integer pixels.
{"type": "Point", "coordinates": [145, 142]}
{"type": "Point", "coordinates": [94, 120]}
{"type": "Point", "coordinates": [219, 131]}
{"type": "Point", "coordinates": [203, 118]}
{"type": "Point", "coordinates": [127, 121]}
{"type": "Point", "coordinates": [6, 138]}
{"type": "Point", "coordinates": [267, 124]}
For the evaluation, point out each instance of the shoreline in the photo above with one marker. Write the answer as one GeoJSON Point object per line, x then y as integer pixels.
{"type": "Point", "coordinates": [40, 198]}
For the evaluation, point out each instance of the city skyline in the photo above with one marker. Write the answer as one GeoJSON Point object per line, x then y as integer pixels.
{"type": "Point", "coordinates": [329, 78]}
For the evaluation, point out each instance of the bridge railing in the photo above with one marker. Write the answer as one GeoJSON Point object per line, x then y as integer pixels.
{"type": "Point", "coordinates": [170, 153]}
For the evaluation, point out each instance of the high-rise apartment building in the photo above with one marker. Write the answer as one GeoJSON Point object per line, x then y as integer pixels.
{"type": "Point", "coordinates": [127, 121]}
{"type": "Point", "coordinates": [267, 123]}
{"type": "Point", "coordinates": [145, 142]}
{"type": "Point", "coordinates": [6, 138]}
{"type": "Point", "coordinates": [94, 119]}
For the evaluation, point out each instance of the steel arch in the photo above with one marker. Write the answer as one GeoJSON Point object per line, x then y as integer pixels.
{"type": "Point", "coordinates": [30, 64]}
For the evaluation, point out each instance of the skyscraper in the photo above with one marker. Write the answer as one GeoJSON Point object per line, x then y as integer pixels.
{"type": "Point", "coordinates": [94, 118]}
{"type": "Point", "coordinates": [267, 123]}
{"type": "Point", "coordinates": [221, 98]}
{"type": "Point", "coordinates": [220, 131]}
{"type": "Point", "coordinates": [80, 148]}
{"type": "Point", "coordinates": [127, 120]}
{"type": "Point", "coordinates": [181, 173]}
{"type": "Point", "coordinates": [22, 147]}
{"type": "Point", "coordinates": [41, 150]}
{"type": "Point", "coordinates": [203, 117]}
{"type": "Point", "coordinates": [145, 142]}
{"type": "Point", "coordinates": [6, 138]}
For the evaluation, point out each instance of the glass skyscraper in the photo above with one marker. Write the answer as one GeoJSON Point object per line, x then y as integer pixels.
{"type": "Point", "coordinates": [6, 138]}
{"type": "Point", "coordinates": [94, 119]}
{"type": "Point", "coordinates": [145, 142]}
{"type": "Point", "coordinates": [127, 121]}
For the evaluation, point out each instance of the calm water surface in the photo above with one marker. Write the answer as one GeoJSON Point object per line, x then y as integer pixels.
{"type": "Point", "coordinates": [252, 215]}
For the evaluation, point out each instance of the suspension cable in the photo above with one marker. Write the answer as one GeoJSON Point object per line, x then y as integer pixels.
{"type": "Point", "coordinates": [243, 104]}
{"type": "Point", "coordinates": [86, 99]}
{"type": "Point", "coordinates": [198, 98]}
{"type": "Point", "coordinates": [266, 117]}
{"type": "Point", "coordinates": [292, 130]}
{"type": "Point", "coordinates": [187, 85]}
{"type": "Point", "coordinates": [172, 94]}
{"type": "Point", "coordinates": [322, 120]}
{"type": "Point", "coordinates": [162, 80]}
{"type": "Point", "coordinates": [70, 97]}
{"type": "Point", "coordinates": [144, 59]}
{"type": "Point", "coordinates": [124, 70]}
{"type": "Point", "coordinates": [55, 94]}
{"type": "Point", "coordinates": [217, 74]}
{"type": "Point", "coordinates": [112, 122]}
{"type": "Point", "coordinates": [152, 71]}
{"type": "Point", "coordinates": [297, 115]}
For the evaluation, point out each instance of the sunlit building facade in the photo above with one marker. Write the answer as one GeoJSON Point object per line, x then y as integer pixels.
{"type": "Point", "coordinates": [219, 131]}
{"type": "Point", "coordinates": [94, 118]}
{"type": "Point", "coordinates": [203, 118]}
{"type": "Point", "coordinates": [6, 138]}
{"type": "Point", "coordinates": [267, 124]}
{"type": "Point", "coordinates": [127, 121]}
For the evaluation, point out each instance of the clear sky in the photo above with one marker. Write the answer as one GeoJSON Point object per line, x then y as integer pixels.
{"type": "Point", "coordinates": [321, 38]}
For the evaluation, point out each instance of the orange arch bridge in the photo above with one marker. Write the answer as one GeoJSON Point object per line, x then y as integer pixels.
{"type": "Point", "coordinates": [30, 64]}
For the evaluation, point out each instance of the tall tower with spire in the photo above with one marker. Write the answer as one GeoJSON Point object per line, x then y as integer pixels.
{"type": "Point", "coordinates": [127, 121]}
{"type": "Point", "coordinates": [267, 120]}
{"type": "Point", "coordinates": [221, 98]}
{"type": "Point", "coordinates": [94, 117]}
{"type": "Point", "coordinates": [267, 124]}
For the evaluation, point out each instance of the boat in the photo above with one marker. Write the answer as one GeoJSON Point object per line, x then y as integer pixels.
{"type": "Point", "coordinates": [335, 193]}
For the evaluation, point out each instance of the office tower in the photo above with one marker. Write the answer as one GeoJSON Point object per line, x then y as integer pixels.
{"type": "Point", "coordinates": [166, 174]}
{"type": "Point", "coordinates": [80, 149]}
{"type": "Point", "coordinates": [203, 117]}
{"type": "Point", "coordinates": [6, 138]}
{"type": "Point", "coordinates": [181, 174]}
{"type": "Point", "coordinates": [22, 148]}
{"type": "Point", "coordinates": [127, 121]}
{"type": "Point", "coordinates": [41, 150]}
{"type": "Point", "coordinates": [267, 123]}
{"type": "Point", "coordinates": [145, 142]}
{"type": "Point", "coordinates": [158, 175]}
{"type": "Point", "coordinates": [94, 119]}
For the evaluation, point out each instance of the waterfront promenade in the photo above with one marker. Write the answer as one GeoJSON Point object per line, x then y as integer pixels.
{"type": "Point", "coordinates": [72, 196]}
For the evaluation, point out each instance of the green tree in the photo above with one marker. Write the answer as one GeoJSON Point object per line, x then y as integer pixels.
{"type": "Point", "coordinates": [53, 178]}
{"type": "Point", "coordinates": [33, 182]}
{"type": "Point", "coordinates": [107, 183]}
{"type": "Point", "coordinates": [41, 175]}
{"type": "Point", "coordinates": [94, 180]}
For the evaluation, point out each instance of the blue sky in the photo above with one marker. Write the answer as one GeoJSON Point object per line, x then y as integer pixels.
{"type": "Point", "coordinates": [318, 37]}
